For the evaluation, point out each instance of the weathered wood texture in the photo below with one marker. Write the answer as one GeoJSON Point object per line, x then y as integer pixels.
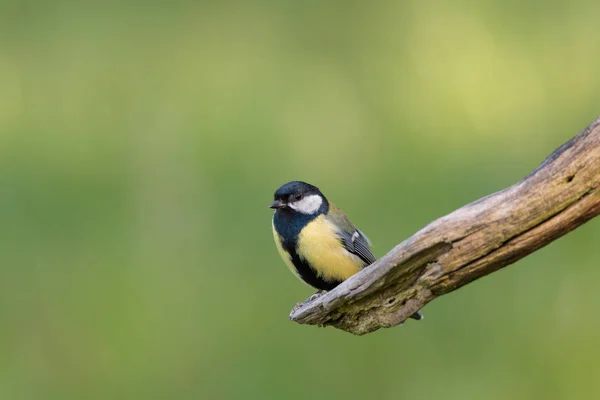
{"type": "Point", "coordinates": [475, 240]}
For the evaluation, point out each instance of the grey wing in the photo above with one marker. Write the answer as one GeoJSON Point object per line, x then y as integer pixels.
{"type": "Point", "coordinates": [357, 243]}
{"type": "Point", "coordinates": [353, 239]}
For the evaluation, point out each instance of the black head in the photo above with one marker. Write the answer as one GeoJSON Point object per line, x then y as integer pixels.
{"type": "Point", "coordinates": [299, 197]}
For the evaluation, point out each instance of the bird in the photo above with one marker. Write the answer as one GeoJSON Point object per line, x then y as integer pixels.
{"type": "Point", "coordinates": [315, 238]}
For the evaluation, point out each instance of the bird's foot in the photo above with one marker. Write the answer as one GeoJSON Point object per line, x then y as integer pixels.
{"type": "Point", "coordinates": [311, 298]}
{"type": "Point", "coordinates": [315, 296]}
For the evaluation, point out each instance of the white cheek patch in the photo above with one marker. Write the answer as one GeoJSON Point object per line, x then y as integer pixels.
{"type": "Point", "coordinates": [308, 205]}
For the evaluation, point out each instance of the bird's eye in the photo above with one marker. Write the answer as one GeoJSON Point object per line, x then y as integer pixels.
{"type": "Point", "coordinates": [298, 197]}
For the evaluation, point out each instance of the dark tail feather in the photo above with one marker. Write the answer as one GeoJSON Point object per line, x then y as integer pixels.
{"type": "Point", "coordinates": [418, 316]}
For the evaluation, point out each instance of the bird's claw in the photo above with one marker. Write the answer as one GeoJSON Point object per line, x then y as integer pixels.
{"type": "Point", "coordinates": [315, 296]}
{"type": "Point", "coordinates": [311, 298]}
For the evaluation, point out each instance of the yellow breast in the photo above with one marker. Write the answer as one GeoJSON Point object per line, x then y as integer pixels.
{"type": "Point", "coordinates": [319, 246]}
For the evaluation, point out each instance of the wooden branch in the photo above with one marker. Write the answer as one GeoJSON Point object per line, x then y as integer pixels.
{"type": "Point", "coordinates": [475, 240]}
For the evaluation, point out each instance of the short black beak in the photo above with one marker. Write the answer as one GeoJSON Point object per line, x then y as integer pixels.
{"type": "Point", "coordinates": [277, 204]}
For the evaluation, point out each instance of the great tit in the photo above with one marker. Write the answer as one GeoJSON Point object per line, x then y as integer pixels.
{"type": "Point", "coordinates": [316, 239]}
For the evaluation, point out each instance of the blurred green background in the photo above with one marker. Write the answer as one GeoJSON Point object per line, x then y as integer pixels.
{"type": "Point", "coordinates": [140, 145]}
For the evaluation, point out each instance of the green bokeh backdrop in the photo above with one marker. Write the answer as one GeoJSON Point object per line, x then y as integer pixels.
{"type": "Point", "coordinates": [141, 143]}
